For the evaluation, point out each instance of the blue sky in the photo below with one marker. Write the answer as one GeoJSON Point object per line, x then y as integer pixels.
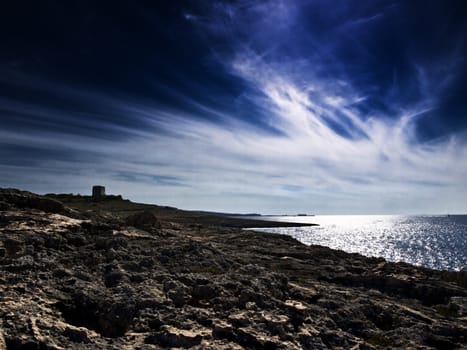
{"type": "Point", "coordinates": [338, 107]}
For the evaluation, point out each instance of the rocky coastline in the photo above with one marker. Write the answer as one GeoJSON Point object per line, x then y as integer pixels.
{"type": "Point", "coordinates": [80, 274]}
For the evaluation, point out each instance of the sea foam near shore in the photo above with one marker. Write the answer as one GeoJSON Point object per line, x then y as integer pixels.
{"type": "Point", "coordinates": [438, 242]}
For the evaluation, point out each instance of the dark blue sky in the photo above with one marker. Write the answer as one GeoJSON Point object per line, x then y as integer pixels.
{"type": "Point", "coordinates": [271, 106]}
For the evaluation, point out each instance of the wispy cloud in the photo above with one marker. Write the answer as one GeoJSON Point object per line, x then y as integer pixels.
{"type": "Point", "coordinates": [320, 132]}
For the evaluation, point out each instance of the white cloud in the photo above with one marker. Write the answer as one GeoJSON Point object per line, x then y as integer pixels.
{"type": "Point", "coordinates": [233, 165]}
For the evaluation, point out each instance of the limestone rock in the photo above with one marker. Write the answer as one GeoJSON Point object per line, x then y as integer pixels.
{"type": "Point", "coordinates": [177, 292]}
{"type": "Point", "coordinates": [145, 220]}
{"type": "Point", "coordinates": [24, 199]}
{"type": "Point", "coordinates": [76, 335]}
{"type": "Point", "coordinates": [85, 280]}
{"type": "Point", "coordinates": [176, 338]}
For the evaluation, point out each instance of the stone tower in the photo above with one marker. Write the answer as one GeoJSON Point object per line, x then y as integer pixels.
{"type": "Point", "coordinates": [98, 191]}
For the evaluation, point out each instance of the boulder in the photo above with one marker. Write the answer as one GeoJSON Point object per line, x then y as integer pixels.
{"type": "Point", "coordinates": [4, 205]}
{"type": "Point", "coordinates": [177, 292]}
{"type": "Point", "coordinates": [13, 246]}
{"type": "Point", "coordinates": [173, 337]}
{"type": "Point", "coordinates": [76, 335]}
{"type": "Point", "coordinates": [145, 220]}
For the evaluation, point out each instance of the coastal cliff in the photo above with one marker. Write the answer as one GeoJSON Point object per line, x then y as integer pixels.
{"type": "Point", "coordinates": [78, 274]}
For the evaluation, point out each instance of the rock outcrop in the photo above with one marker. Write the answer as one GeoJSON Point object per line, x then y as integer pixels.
{"type": "Point", "coordinates": [23, 199]}
{"type": "Point", "coordinates": [71, 280]}
{"type": "Point", "coordinates": [145, 220]}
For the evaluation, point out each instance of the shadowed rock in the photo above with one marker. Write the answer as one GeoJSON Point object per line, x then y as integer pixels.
{"type": "Point", "coordinates": [145, 220]}
{"type": "Point", "coordinates": [97, 312]}
{"type": "Point", "coordinates": [97, 283]}
{"type": "Point", "coordinates": [24, 199]}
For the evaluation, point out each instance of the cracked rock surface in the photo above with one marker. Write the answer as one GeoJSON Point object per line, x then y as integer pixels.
{"type": "Point", "coordinates": [81, 275]}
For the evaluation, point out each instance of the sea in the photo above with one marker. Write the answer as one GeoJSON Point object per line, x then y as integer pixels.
{"type": "Point", "coordinates": [434, 241]}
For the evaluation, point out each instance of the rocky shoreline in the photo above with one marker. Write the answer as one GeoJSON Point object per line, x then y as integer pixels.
{"type": "Point", "coordinates": [77, 274]}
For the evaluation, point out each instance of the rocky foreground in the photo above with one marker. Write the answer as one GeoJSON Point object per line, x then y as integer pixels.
{"type": "Point", "coordinates": [88, 276]}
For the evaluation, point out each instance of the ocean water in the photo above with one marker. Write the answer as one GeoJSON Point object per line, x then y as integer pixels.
{"type": "Point", "coordinates": [438, 242]}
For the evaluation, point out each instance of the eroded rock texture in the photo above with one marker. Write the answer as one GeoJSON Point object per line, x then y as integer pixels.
{"type": "Point", "coordinates": [77, 279]}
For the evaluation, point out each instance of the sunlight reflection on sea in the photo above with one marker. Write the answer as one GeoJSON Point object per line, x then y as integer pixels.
{"type": "Point", "coordinates": [438, 242]}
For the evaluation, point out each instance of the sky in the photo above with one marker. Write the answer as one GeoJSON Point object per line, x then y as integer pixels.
{"type": "Point", "coordinates": [274, 106]}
